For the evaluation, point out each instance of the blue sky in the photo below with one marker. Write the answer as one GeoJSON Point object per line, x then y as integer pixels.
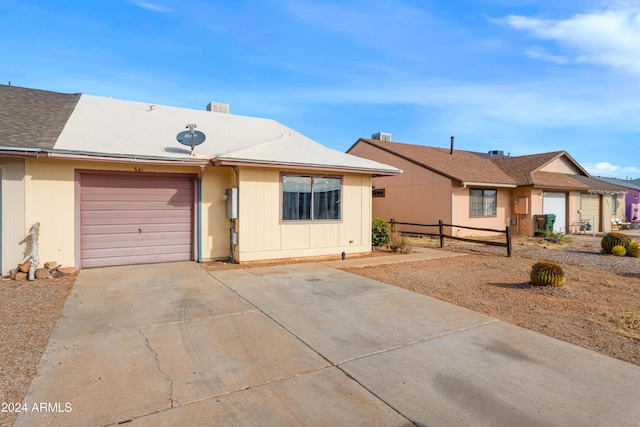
{"type": "Point", "coordinates": [515, 75]}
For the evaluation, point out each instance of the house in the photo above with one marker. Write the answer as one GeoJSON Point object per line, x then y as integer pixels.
{"type": "Point", "coordinates": [484, 190]}
{"type": "Point", "coordinates": [111, 184]}
{"type": "Point", "coordinates": [631, 202]}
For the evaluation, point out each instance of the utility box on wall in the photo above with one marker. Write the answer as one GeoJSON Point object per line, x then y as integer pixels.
{"type": "Point", "coordinates": [232, 203]}
{"type": "Point", "coordinates": [521, 205]}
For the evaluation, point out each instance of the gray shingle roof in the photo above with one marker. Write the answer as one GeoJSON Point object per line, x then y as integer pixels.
{"type": "Point", "coordinates": [32, 118]}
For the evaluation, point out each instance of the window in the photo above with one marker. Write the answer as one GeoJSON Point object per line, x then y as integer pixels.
{"type": "Point", "coordinates": [310, 198]}
{"type": "Point", "coordinates": [377, 192]}
{"type": "Point", "coordinates": [614, 204]}
{"type": "Point", "coordinates": [483, 202]}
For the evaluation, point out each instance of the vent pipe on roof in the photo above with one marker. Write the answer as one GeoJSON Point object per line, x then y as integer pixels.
{"type": "Point", "coordinates": [451, 151]}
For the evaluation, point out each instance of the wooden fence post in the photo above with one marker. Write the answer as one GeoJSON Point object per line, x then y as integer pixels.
{"type": "Point", "coordinates": [441, 230]}
{"type": "Point", "coordinates": [393, 225]}
{"type": "Point", "coordinates": [508, 233]}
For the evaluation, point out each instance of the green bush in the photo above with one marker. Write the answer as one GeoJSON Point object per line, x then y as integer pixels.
{"type": "Point", "coordinates": [619, 250]}
{"type": "Point", "coordinates": [380, 232]}
{"type": "Point", "coordinates": [547, 274]}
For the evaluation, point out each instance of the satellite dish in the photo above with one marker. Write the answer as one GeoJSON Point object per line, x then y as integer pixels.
{"type": "Point", "coordinates": [186, 138]}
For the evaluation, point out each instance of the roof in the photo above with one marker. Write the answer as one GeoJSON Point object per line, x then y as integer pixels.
{"type": "Point", "coordinates": [626, 183]}
{"type": "Point", "coordinates": [461, 166]}
{"type": "Point", "coordinates": [599, 185]}
{"type": "Point", "coordinates": [33, 118]}
{"type": "Point", "coordinates": [111, 128]}
{"type": "Point", "coordinates": [473, 167]}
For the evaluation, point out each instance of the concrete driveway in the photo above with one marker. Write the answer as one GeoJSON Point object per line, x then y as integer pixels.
{"type": "Point", "coordinates": [306, 344]}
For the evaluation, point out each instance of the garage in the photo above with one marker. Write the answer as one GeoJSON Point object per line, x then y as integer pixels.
{"type": "Point", "coordinates": [556, 204]}
{"type": "Point", "coordinates": [135, 218]}
{"type": "Point", "coordinates": [590, 209]}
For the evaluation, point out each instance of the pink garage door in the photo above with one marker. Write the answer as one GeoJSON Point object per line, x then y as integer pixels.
{"type": "Point", "coordinates": [135, 219]}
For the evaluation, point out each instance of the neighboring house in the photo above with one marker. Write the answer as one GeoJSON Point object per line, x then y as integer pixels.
{"type": "Point", "coordinates": [482, 190]}
{"type": "Point", "coordinates": [111, 185]}
{"type": "Point", "coordinates": [631, 199]}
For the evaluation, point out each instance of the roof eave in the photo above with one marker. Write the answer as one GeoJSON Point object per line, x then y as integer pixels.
{"type": "Point", "coordinates": [293, 165]}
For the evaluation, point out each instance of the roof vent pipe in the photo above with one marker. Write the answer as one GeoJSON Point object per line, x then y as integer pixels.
{"type": "Point", "coordinates": [452, 138]}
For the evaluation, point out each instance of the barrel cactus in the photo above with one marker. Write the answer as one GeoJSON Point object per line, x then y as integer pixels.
{"type": "Point", "coordinates": [612, 239]}
{"type": "Point", "coordinates": [547, 274]}
{"type": "Point", "coordinates": [619, 250]}
{"type": "Point", "coordinates": [633, 249]}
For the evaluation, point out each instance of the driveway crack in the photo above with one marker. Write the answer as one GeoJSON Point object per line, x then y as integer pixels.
{"type": "Point", "coordinates": [163, 372]}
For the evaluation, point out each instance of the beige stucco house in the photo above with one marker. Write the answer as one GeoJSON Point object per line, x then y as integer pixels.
{"type": "Point", "coordinates": [110, 184]}
{"type": "Point", "coordinates": [486, 190]}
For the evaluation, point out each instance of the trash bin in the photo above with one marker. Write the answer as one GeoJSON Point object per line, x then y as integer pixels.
{"type": "Point", "coordinates": [544, 223]}
{"type": "Point", "coordinates": [539, 221]}
{"type": "Point", "coordinates": [549, 220]}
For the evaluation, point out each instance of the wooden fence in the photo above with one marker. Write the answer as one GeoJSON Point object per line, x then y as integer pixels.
{"type": "Point", "coordinates": [441, 235]}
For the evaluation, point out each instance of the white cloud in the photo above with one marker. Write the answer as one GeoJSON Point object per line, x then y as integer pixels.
{"type": "Point", "coordinates": [151, 6]}
{"type": "Point", "coordinates": [610, 170]}
{"type": "Point", "coordinates": [610, 36]}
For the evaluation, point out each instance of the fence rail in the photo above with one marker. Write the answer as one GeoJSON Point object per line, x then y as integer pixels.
{"type": "Point", "coordinates": [442, 236]}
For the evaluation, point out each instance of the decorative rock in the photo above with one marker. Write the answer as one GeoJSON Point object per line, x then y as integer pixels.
{"type": "Point", "coordinates": [49, 265]}
{"type": "Point", "coordinates": [55, 274]}
{"type": "Point", "coordinates": [67, 270]}
{"type": "Point", "coordinates": [42, 273]}
{"type": "Point", "coordinates": [21, 277]}
{"type": "Point", "coordinates": [25, 267]}
{"type": "Point", "coordinates": [12, 273]}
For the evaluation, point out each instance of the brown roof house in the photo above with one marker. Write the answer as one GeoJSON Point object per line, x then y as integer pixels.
{"type": "Point", "coordinates": [486, 190]}
{"type": "Point", "coordinates": [115, 182]}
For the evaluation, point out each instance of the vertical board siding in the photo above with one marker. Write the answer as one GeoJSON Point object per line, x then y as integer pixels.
{"type": "Point", "coordinates": [127, 219]}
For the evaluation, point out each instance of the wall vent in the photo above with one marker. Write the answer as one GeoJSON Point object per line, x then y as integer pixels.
{"type": "Point", "coordinates": [382, 136]}
{"type": "Point", "coordinates": [218, 107]}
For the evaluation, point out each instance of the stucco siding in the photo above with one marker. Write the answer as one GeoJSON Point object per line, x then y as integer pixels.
{"type": "Point", "coordinates": [262, 234]}
{"type": "Point", "coordinates": [215, 224]}
{"type": "Point", "coordinates": [561, 165]}
{"type": "Point", "coordinates": [13, 225]}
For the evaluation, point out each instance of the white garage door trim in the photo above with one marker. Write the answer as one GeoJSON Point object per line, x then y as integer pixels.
{"type": "Point", "coordinates": [134, 218]}
{"type": "Point", "coordinates": [556, 204]}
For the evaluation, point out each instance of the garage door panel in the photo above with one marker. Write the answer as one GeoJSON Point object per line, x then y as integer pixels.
{"type": "Point", "coordinates": [133, 239]}
{"type": "Point", "coordinates": [133, 217]}
{"type": "Point", "coordinates": [133, 259]}
{"type": "Point", "coordinates": [134, 205]}
{"type": "Point", "coordinates": [114, 208]}
{"type": "Point", "coordinates": [88, 230]}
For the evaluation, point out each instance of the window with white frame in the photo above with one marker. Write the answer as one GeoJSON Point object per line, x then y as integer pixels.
{"type": "Point", "coordinates": [483, 202]}
{"type": "Point", "coordinates": [311, 198]}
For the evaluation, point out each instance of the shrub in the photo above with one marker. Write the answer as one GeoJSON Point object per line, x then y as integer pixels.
{"type": "Point", "coordinates": [547, 274]}
{"type": "Point", "coordinates": [399, 243]}
{"type": "Point", "coordinates": [619, 250]}
{"type": "Point", "coordinates": [612, 239]}
{"type": "Point", "coordinates": [380, 232]}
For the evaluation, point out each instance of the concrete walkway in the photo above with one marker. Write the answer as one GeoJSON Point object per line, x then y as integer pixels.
{"type": "Point", "coordinates": [306, 344]}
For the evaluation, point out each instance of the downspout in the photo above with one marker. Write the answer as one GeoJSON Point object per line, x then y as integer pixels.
{"type": "Point", "coordinates": [199, 213]}
{"type": "Point", "coordinates": [199, 222]}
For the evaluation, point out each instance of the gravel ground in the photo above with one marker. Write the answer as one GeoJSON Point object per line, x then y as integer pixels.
{"type": "Point", "coordinates": [28, 314]}
{"type": "Point", "coordinates": [597, 308]}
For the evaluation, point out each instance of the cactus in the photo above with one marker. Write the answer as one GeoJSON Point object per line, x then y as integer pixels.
{"type": "Point", "coordinates": [547, 274]}
{"type": "Point", "coordinates": [612, 239]}
{"type": "Point", "coordinates": [633, 249]}
{"type": "Point", "coordinates": [619, 250]}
